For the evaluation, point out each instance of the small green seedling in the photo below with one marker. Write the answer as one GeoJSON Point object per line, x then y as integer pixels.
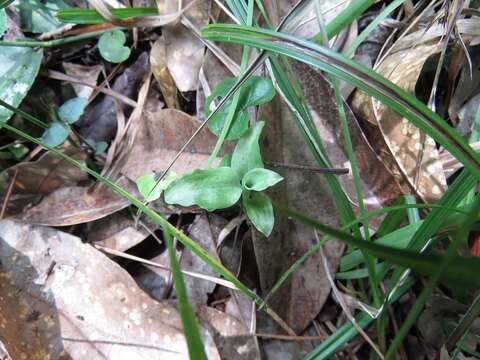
{"type": "Point", "coordinates": [111, 46]}
{"type": "Point", "coordinates": [58, 131]}
{"type": "Point", "coordinates": [222, 187]}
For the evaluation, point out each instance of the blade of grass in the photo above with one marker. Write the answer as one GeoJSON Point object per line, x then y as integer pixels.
{"type": "Point", "coordinates": [446, 260]}
{"type": "Point", "coordinates": [190, 327]}
{"type": "Point", "coordinates": [465, 323]}
{"type": "Point", "coordinates": [372, 26]}
{"type": "Point", "coordinates": [92, 16]}
{"type": "Point", "coordinates": [356, 74]}
{"type": "Point", "coordinates": [371, 263]}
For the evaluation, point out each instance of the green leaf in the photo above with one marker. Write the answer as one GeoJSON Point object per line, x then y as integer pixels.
{"type": "Point", "coordinates": [5, 3]}
{"type": "Point", "coordinates": [148, 188]}
{"type": "Point", "coordinates": [211, 189]}
{"type": "Point", "coordinates": [55, 134]}
{"type": "Point", "coordinates": [260, 179]}
{"type": "Point", "coordinates": [18, 70]}
{"type": "Point", "coordinates": [91, 16]}
{"type": "Point", "coordinates": [3, 22]}
{"type": "Point", "coordinates": [259, 210]}
{"type": "Point", "coordinates": [72, 109]}
{"type": "Point", "coordinates": [226, 161]}
{"type": "Point", "coordinates": [246, 155]}
{"type": "Point", "coordinates": [111, 46]}
{"type": "Point", "coordinates": [18, 151]}
{"type": "Point", "coordinates": [255, 91]}
{"type": "Point", "coordinates": [100, 147]}
{"type": "Point", "coordinates": [39, 16]}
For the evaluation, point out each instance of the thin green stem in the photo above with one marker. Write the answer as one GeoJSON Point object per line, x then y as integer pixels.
{"type": "Point", "coordinates": [55, 42]}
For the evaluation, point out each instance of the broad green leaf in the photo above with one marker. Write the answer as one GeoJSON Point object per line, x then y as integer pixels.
{"type": "Point", "coordinates": [260, 179]}
{"type": "Point", "coordinates": [39, 16]}
{"type": "Point", "coordinates": [111, 46]}
{"type": "Point", "coordinates": [55, 134]}
{"type": "Point", "coordinates": [3, 22]}
{"type": "Point", "coordinates": [259, 210]}
{"type": "Point", "coordinates": [148, 188]}
{"type": "Point", "coordinates": [211, 189]}
{"type": "Point", "coordinates": [255, 91]}
{"type": "Point", "coordinates": [18, 70]}
{"type": "Point", "coordinates": [100, 147]}
{"type": "Point", "coordinates": [72, 109]}
{"type": "Point", "coordinates": [246, 155]}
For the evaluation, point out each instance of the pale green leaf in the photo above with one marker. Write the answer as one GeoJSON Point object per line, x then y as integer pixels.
{"type": "Point", "coordinates": [260, 179]}
{"type": "Point", "coordinates": [255, 91]}
{"type": "Point", "coordinates": [246, 155]}
{"type": "Point", "coordinates": [148, 188]}
{"type": "Point", "coordinates": [72, 109]}
{"type": "Point", "coordinates": [55, 134]}
{"type": "Point", "coordinates": [259, 210]}
{"type": "Point", "coordinates": [39, 16]}
{"type": "Point", "coordinates": [211, 189]}
{"type": "Point", "coordinates": [3, 22]}
{"type": "Point", "coordinates": [18, 69]}
{"type": "Point", "coordinates": [111, 46]}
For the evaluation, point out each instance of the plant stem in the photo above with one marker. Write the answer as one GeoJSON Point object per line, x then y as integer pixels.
{"type": "Point", "coordinates": [55, 42]}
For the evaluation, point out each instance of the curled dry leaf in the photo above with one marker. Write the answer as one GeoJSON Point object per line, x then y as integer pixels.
{"type": "Point", "coordinates": [158, 65]}
{"type": "Point", "coordinates": [411, 155]}
{"type": "Point", "coordinates": [76, 205]}
{"type": "Point", "coordinates": [184, 50]}
{"type": "Point", "coordinates": [158, 141]}
{"type": "Point", "coordinates": [99, 122]}
{"type": "Point", "coordinates": [67, 311]}
{"type": "Point", "coordinates": [87, 74]}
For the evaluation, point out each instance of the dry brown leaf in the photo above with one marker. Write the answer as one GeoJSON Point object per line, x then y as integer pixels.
{"type": "Point", "coordinates": [117, 232]}
{"type": "Point", "coordinates": [76, 205]}
{"type": "Point", "coordinates": [87, 74]}
{"type": "Point", "coordinates": [40, 177]}
{"type": "Point", "coordinates": [158, 65]}
{"type": "Point", "coordinates": [231, 336]}
{"type": "Point", "coordinates": [76, 303]}
{"type": "Point", "coordinates": [400, 142]}
{"type": "Point", "coordinates": [184, 50]}
{"type": "Point", "coordinates": [159, 139]}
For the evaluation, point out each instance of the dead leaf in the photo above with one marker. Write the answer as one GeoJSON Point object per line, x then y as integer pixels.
{"type": "Point", "coordinates": [158, 65]}
{"type": "Point", "coordinates": [87, 74]}
{"type": "Point", "coordinates": [184, 50]}
{"type": "Point", "coordinates": [231, 336]}
{"type": "Point", "coordinates": [400, 143]}
{"type": "Point", "coordinates": [76, 205]}
{"type": "Point", "coordinates": [159, 139]}
{"type": "Point", "coordinates": [40, 177]}
{"type": "Point", "coordinates": [99, 122]}
{"type": "Point", "coordinates": [63, 299]}
{"type": "Point", "coordinates": [117, 232]}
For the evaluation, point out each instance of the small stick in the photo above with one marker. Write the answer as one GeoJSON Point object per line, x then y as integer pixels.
{"type": "Point", "coordinates": [335, 171]}
{"type": "Point", "coordinates": [9, 193]}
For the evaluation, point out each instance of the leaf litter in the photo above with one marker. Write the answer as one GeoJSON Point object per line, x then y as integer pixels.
{"type": "Point", "coordinates": [132, 314]}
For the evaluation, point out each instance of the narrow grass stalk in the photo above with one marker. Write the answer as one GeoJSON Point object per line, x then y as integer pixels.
{"type": "Point", "coordinates": [190, 327]}
{"type": "Point", "coordinates": [55, 42]}
{"type": "Point", "coordinates": [372, 26]}
{"type": "Point", "coordinates": [371, 266]}
{"type": "Point", "coordinates": [460, 236]}
{"type": "Point", "coordinates": [465, 323]}
{"type": "Point", "coordinates": [233, 107]}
